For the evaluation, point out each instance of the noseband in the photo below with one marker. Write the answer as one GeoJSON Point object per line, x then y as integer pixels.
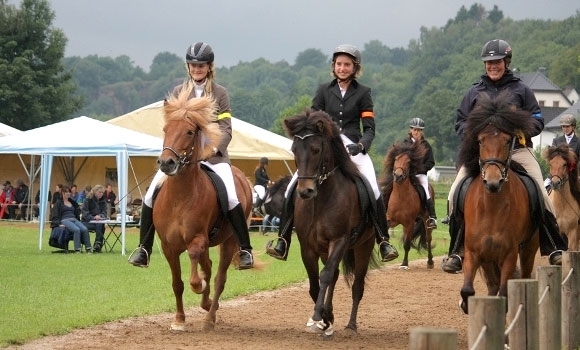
{"type": "Point", "coordinates": [502, 165]}
{"type": "Point", "coordinates": [321, 173]}
{"type": "Point", "coordinates": [183, 158]}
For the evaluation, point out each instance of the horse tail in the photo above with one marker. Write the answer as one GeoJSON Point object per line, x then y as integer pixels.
{"type": "Point", "coordinates": [419, 240]}
{"type": "Point", "coordinates": [348, 267]}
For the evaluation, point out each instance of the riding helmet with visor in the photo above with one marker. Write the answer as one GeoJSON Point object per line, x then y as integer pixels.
{"type": "Point", "coordinates": [350, 50]}
{"type": "Point", "coordinates": [199, 52]}
{"type": "Point", "coordinates": [568, 120]}
{"type": "Point", "coordinates": [496, 50]}
{"type": "Point", "coordinates": [417, 123]}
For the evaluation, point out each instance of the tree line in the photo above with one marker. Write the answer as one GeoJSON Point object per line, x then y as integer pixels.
{"type": "Point", "coordinates": [427, 78]}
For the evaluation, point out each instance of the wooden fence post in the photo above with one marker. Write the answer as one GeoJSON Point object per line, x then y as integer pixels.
{"type": "Point", "coordinates": [522, 314]}
{"type": "Point", "coordinates": [486, 322]}
{"type": "Point", "coordinates": [425, 338]}
{"type": "Point", "coordinates": [570, 300]}
{"type": "Point", "coordinates": [550, 306]}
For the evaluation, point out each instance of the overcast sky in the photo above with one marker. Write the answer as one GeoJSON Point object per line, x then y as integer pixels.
{"type": "Point", "coordinates": [276, 30]}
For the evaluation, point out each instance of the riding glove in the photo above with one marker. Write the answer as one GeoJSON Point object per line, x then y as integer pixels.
{"type": "Point", "coordinates": [354, 148]}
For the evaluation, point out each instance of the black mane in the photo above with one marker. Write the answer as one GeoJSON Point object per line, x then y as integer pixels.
{"type": "Point", "coordinates": [319, 122]}
{"type": "Point", "coordinates": [415, 151]}
{"type": "Point", "coordinates": [489, 115]}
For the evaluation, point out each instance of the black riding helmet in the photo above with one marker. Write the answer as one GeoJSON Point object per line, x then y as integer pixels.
{"type": "Point", "coordinates": [199, 52]}
{"type": "Point", "coordinates": [264, 160]}
{"type": "Point", "coordinates": [495, 50]}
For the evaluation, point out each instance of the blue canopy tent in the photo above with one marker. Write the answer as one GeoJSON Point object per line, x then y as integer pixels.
{"type": "Point", "coordinates": [109, 140]}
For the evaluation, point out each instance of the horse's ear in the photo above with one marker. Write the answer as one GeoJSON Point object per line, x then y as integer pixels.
{"type": "Point", "coordinates": [320, 126]}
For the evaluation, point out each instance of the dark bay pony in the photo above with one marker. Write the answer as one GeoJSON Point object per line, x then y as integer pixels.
{"type": "Point", "coordinates": [565, 193]}
{"type": "Point", "coordinates": [329, 222]}
{"type": "Point", "coordinates": [274, 198]}
{"type": "Point", "coordinates": [499, 224]}
{"type": "Point", "coordinates": [186, 213]}
{"type": "Point", "coordinates": [399, 187]}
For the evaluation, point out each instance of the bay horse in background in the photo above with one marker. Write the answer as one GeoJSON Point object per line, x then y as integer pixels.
{"type": "Point", "coordinates": [330, 222]}
{"type": "Point", "coordinates": [405, 205]}
{"type": "Point", "coordinates": [565, 191]}
{"type": "Point", "coordinates": [492, 242]}
{"type": "Point", "coordinates": [187, 214]}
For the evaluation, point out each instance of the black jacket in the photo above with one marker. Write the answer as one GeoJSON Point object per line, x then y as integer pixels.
{"type": "Point", "coordinates": [350, 111]}
{"type": "Point", "coordinates": [523, 98]}
{"type": "Point", "coordinates": [93, 207]}
{"type": "Point", "coordinates": [56, 212]}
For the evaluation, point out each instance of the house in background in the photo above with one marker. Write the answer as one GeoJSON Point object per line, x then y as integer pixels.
{"type": "Point", "coordinates": [552, 100]}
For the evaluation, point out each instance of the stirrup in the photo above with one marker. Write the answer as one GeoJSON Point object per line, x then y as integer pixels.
{"type": "Point", "coordinates": [555, 258]}
{"type": "Point", "coordinates": [431, 222]}
{"type": "Point", "coordinates": [138, 250]}
{"type": "Point", "coordinates": [274, 253]}
{"type": "Point", "coordinates": [251, 259]}
{"type": "Point", "coordinates": [446, 220]}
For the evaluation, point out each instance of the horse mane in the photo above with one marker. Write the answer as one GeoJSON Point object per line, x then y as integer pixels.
{"type": "Point", "coordinates": [488, 115]}
{"type": "Point", "coordinates": [282, 182]}
{"type": "Point", "coordinates": [319, 122]}
{"type": "Point", "coordinates": [571, 158]}
{"type": "Point", "coordinates": [199, 112]}
{"type": "Point", "coordinates": [416, 153]}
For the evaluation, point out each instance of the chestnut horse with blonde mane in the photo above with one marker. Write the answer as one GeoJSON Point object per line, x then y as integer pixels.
{"type": "Point", "coordinates": [565, 193]}
{"type": "Point", "coordinates": [499, 223]}
{"type": "Point", "coordinates": [187, 214]}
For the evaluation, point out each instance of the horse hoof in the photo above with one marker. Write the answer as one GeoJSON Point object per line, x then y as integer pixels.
{"type": "Point", "coordinates": [318, 327]}
{"type": "Point", "coordinates": [463, 306]}
{"type": "Point", "coordinates": [177, 327]}
{"type": "Point", "coordinates": [403, 267]}
{"type": "Point", "coordinates": [208, 326]}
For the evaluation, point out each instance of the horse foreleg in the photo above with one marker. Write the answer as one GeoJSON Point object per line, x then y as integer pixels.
{"type": "Point", "coordinates": [469, 269]}
{"type": "Point", "coordinates": [428, 240]}
{"type": "Point", "coordinates": [178, 323]}
{"type": "Point", "coordinates": [361, 261]}
{"type": "Point", "coordinates": [226, 254]}
{"type": "Point", "coordinates": [407, 238]}
{"type": "Point", "coordinates": [507, 270]}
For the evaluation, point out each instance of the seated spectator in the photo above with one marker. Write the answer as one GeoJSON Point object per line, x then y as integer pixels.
{"type": "Point", "coordinates": [74, 194]}
{"type": "Point", "coordinates": [8, 202]}
{"type": "Point", "coordinates": [36, 206]}
{"type": "Point", "coordinates": [22, 198]}
{"type": "Point", "coordinates": [83, 194]}
{"type": "Point", "coordinates": [66, 213]}
{"type": "Point", "coordinates": [94, 208]}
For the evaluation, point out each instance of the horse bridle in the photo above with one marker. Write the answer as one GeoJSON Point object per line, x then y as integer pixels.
{"type": "Point", "coordinates": [183, 159]}
{"type": "Point", "coordinates": [499, 163]}
{"type": "Point", "coordinates": [403, 176]}
{"type": "Point", "coordinates": [321, 174]}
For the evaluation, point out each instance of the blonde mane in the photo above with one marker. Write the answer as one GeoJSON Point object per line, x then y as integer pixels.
{"type": "Point", "coordinates": [199, 112]}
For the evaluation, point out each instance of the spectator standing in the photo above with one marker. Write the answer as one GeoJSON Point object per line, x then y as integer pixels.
{"type": "Point", "coordinates": [110, 199]}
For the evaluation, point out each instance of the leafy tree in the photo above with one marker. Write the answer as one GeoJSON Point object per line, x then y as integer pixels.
{"type": "Point", "coordinates": [35, 89]}
{"type": "Point", "coordinates": [311, 57]}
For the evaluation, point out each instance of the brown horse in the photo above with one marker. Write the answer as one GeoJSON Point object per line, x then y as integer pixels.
{"type": "Point", "coordinates": [400, 186]}
{"type": "Point", "coordinates": [329, 222]}
{"type": "Point", "coordinates": [186, 213]}
{"type": "Point", "coordinates": [565, 193]}
{"type": "Point", "coordinates": [498, 220]}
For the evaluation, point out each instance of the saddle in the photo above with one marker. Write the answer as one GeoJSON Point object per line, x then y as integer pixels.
{"type": "Point", "coordinates": [536, 203]}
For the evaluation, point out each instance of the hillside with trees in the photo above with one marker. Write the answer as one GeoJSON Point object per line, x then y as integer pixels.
{"type": "Point", "coordinates": [427, 78]}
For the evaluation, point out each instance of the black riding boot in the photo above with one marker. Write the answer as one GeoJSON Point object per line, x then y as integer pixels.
{"type": "Point", "coordinates": [238, 220]}
{"type": "Point", "coordinates": [258, 207]}
{"type": "Point", "coordinates": [446, 219]}
{"type": "Point", "coordinates": [280, 251]}
{"type": "Point", "coordinates": [551, 240]}
{"type": "Point", "coordinates": [432, 222]}
{"type": "Point", "coordinates": [453, 262]}
{"type": "Point", "coordinates": [387, 251]}
{"type": "Point", "coordinates": [140, 256]}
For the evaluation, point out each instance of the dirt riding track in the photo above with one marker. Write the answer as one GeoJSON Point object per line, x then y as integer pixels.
{"type": "Point", "coordinates": [394, 302]}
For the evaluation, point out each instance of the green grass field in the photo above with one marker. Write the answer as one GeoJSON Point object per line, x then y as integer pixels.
{"type": "Point", "coordinates": [44, 293]}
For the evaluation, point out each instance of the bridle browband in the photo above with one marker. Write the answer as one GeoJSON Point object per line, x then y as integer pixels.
{"type": "Point", "coordinates": [499, 163]}
{"type": "Point", "coordinates": [321, 174]}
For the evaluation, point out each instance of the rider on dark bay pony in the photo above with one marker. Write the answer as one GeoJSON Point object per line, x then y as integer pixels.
{"type": "Point", "coordinates": [349, 104]}
{"type": "Point", "coordinates": [199, 59]}
{"type": "Point", "coordinates": [496, 56]}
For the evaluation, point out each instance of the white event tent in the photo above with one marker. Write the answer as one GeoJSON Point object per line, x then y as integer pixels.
{"type": "Point", "coordinates": [110, 140]}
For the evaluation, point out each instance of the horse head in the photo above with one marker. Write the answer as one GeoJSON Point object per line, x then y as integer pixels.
{"type": "Point", "coordinates": [190, 131]}
{"type": "Point", "coordinates": [318, 150]}
{"type": "Point", "coordinates": [403, 159]}
{"type": "Point", "coordinates": [563, 164]}
{"type": "Point", "coordinates": [490, 134]}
